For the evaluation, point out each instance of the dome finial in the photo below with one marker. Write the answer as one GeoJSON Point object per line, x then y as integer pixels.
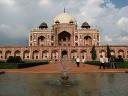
{"type": "Point", "coordinates": [64, 10]}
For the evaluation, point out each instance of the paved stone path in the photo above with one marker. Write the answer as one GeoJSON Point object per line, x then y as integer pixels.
{"type": "Point", "coordinates": [56, 68]}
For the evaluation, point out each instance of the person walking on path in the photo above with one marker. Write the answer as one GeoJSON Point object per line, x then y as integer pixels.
{"type": "Point", "coordinates": [102, 62]}
{"type": "Point", "coordinates": [78, 61]}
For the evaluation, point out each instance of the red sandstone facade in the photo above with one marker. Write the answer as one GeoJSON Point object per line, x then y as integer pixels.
{"type": "Point", "coordinates": [64, 38]}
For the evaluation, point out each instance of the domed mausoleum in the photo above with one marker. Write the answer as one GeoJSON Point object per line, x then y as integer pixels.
{"type": "Point", "coordinates": [63, 38]}
{"type": "Point", "coordinates": [64, 18]}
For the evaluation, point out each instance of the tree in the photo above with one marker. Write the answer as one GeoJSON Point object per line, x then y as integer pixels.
{"type": "Point", "coordinates": [108, 52]}
{"type": "Point", "coordinates": [93, 53]}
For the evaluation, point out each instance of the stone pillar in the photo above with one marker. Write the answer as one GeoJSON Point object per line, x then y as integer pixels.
{"type": "Point", "coordinates": [21, 53]}
{"type": "Point", "coordinates": [12, 51]}
{"type": "Point", "coordinates": [40, 54]}
{"type": "Point", "coordinates": [3, 53]}
{"type": "Point", "coordinates": [50, 53]}
{"type": "Point", "coordinates": [125, 54]}
{"type": "Point", "coordinates": [78, 53]}
{"type": "Point", "coordinates": [30, 54]}
{"type": "Point", "coordinates": [116, 52]}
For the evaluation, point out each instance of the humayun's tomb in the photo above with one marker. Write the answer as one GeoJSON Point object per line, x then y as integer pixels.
{"type": "Point", "coordinates": [64, 38]}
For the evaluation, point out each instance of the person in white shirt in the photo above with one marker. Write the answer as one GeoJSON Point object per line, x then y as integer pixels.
{"type": "Point", "coordinates": [102, 62]}
{"type": "Point", "coordinates": [78, 61]}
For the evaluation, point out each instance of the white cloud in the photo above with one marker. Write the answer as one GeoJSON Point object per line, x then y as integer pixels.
{"type": "Point", "coordinates": [91, 10]}
{"type": "Point", "coordinates": [44, 3]}
{"type": "Point", "coordinates": [111, 19]}
{"type": "Point", "coordinates": [107, 38]}
{"type": "Point", "coordinates": [125, 38]}
{"type": "Point", "coordinates": [123, 23]}
{"type": "Point", "coordinates": [7, 2]}
{"type": "Point", "coordinates": [102, 13]}
{"type": "Point", "coordinates": [4, 26]}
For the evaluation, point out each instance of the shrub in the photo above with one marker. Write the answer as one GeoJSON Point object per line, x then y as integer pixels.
{"type": "Point", "coordinates": [120, 59]}
{"type": "Point", "coordinates": [10, 59]}
{"type": "Point", "coordinates": [17, 59]}
{"type": "Point", "coordinates": [92, 62]}
{"type": "Point", "coordinates": [14, 59]}
{"type": "Point", "coordinates": [2, 61]}
{"type": "Point", "coordinates": [30, 64]}
{"type": "Point", "coordinates": [123, 64]}
{"type": "Point", "coordinates": [6, 65]}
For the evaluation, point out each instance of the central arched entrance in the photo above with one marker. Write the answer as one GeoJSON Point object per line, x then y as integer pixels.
{"type": "Point", "coordinates": [64, 38]}
{"type": "Point", "coordinates": [64, 53]}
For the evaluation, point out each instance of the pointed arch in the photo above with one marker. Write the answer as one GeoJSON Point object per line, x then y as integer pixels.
{"type": "Point", "coordinates": [7, 54]}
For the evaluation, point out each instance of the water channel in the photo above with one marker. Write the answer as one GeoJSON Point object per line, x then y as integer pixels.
{"type": "Point", "coordinates": [84, 84]}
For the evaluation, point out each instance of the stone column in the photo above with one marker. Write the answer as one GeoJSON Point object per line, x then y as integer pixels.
{"type": "Point", "coordinates": [78, 53]}
{"type": "Point", "coordinates": [50, 53]}
{"type": "Point", "coordinates": [39, 54]}
{"type": "Point", "coordinates": [116, 52]}
{"type": "Point", "coordinates": [3, 53]}
{"type": "Point", "coordinates": [12, 51]}
{"type": "Point", "coordinates": [30, 54]}
{"type": "Point", "coordinates": [125, 54]}
{"type": "Point", "coordinates": [21, 53]}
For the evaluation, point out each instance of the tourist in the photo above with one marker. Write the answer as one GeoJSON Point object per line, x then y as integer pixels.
{"type": "Point", "coordinates": [102, 62]}
{"type": "Point", "coordinates": [77, 61]}
{"type": "Point", "coordinates": [112, 62]}
{"type": "Point", "coordinates": [106, 62]}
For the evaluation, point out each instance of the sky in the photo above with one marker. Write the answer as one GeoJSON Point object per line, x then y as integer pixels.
{"type": "Point", "coordinates": [18, 17]}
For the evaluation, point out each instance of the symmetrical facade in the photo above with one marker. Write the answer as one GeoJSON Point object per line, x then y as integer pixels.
{"type": "Point", "coordinates": [64, 38]}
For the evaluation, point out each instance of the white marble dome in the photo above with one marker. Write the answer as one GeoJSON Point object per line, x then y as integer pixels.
{"type": "Point", "coordinates": [64, 18]}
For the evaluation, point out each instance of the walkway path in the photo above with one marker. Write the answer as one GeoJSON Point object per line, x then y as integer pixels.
{"type": "Point", "coordinates": [56, 68]}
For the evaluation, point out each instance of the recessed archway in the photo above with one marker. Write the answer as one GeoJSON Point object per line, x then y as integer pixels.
{"type": "Point", "coordinates": [41, 40]}
{"type": "Point", "coordinates": [64, 53]}
{"type": "Point", "coordinates": [26, 54]}
{"type": "Point", "coordinates": [64, 38]}
{"type": "Point", "coordinates": [87, 40]}
{"type": "Point", "coordinates": [17, 53]}
{"type": "Point", "coordinates": [7, 54]}
{"type": "Point", "coordinates": [74, 54]}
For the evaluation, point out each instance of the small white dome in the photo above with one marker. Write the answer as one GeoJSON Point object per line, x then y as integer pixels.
{"type": "Point", "coordinates": [64, 18]}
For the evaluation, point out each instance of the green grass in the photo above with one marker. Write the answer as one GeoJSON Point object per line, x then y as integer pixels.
{"type": "Point", "coordinates": [8, 66]}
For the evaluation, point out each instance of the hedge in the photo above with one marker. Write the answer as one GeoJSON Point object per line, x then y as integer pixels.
{"type": "Point", "coordinates": [123, 64]}
{"type": "Point", "coordinates": [14, 59]}
{"type": "Point", "coordinates": [4, 65]}
{"type": "Point", "coordinates": [92, 62]}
